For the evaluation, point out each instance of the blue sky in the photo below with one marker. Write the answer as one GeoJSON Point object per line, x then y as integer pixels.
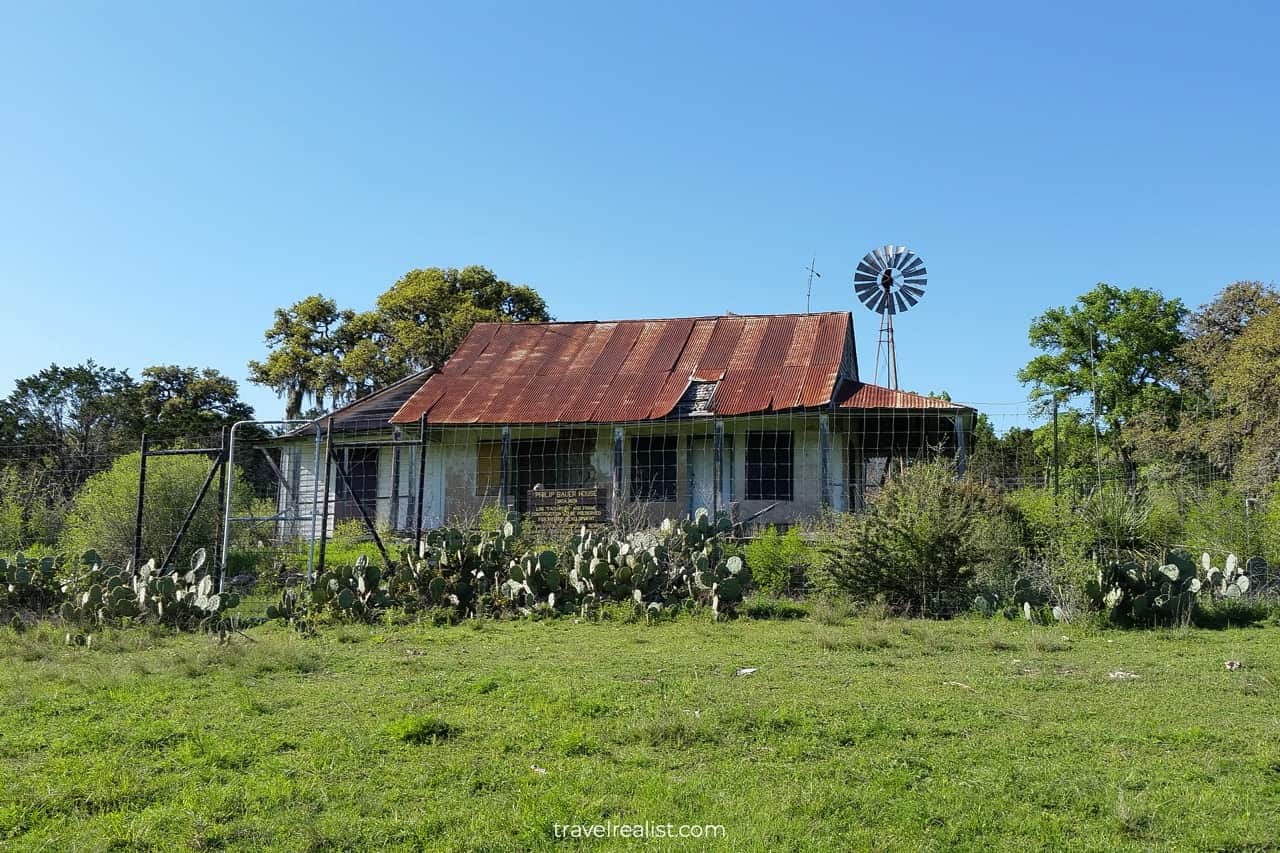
{"type": "Point", "coordinates": [170, 173]}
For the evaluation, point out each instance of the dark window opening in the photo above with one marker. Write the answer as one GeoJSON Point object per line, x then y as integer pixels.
{"type": "Point", "coordinates": [653, 467]}
{"type": "Point", "coordinates": [488, 469]}
{"type": "Point", "coordinates": [361, 464]}
{"type": "Point", "coordinates": [770, 468]}
{"type": "Point", "coordinates": [563, 462]}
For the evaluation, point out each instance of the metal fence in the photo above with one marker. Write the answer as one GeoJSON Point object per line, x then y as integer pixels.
{"type": "Point", "coordinates": [283, 498]}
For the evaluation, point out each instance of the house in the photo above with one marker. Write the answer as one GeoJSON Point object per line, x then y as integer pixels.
{"type": "Point", "coordinates": [636, 419]}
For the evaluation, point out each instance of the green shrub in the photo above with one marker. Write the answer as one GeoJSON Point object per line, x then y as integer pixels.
{"type": "Point", "coordinates": [778, 561]}
{"type": "Point", "coordinates": [1219, 521]}
{"type": "Point", "coordinates": [1232, 612]}
{"type": "Point", "coordinates": [102, 516]}
{"type": "Point", "coordinates": [32, 511]}
{"type": "Point", "coordinates": [769, 607]}
{"type": "Point", "coordinates": [1270, 511]}
{"type": "Point", "coordinates": [922, 541]}
{"type": "Point", "coordinates": [419, 729]}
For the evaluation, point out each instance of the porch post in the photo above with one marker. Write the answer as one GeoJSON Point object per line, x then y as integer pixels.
{"type": "Point", "coordinates": [616, 504]}
{"type": "Point", "coordinates": [958, 423]}
{"type": "Point", "coordinates": [393, 516]}
{"type": "Point", "coordinates": [824, 464]}
{"type": "Point", "coordinates": [717, 467]}
{"type": "Point", "coordinates": [504, 475]}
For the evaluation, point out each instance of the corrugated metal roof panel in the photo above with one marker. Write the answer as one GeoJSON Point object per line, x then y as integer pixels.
{"type": "Point", "coordinates": [469, 350]}
{"type": "Point", "coordinates": [730, 393]}
{"type": "Point", "coordinates": [572, 337]}
{"type": "Point", "coordinates": [667, 349]}
{"type": "Point", "coordinates": [777, 342]}
{"type": "Point", "coordinates": [630, 397]}
{"type": "Point", "coordinates": [789, 388]}
{"type": "Point", "coordinates": [719, 353]}
{"type": "Point", "coordinates": [828, 347]}
{"type": "Point", "coordinates": [669, 397]}
{"type": "Point", "coordinates": [597, 336]}
{"type": "Point", "coordinates": [581, 393]}
{"type": "Point", "coordinates": [819, 382]}
{"type": "Point", "coordinates": [803, 338]}
{"type": "Point", "coordinates": [617, 348]}
{"type": "Point", "coordinates": [859, 395]}
{"type": "Point", "coordinates": [694, 348]}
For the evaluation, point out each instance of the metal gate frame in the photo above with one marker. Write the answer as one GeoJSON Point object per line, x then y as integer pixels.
{"type": "Point", "coordinates": [229, 485]}
{"type": "Point", "coordinates": [220, 456]}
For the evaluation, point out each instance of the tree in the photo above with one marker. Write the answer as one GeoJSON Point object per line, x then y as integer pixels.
{"type": "Point", "coordinates": [188, 402]}
{"type": "Point", "coordinates": [1231, 411]}
{"type": "Point", "coordinates": [1007, 460]}
{"type": "Point", "coordinates": [422, 318]}
{"type": "Point", "coordinates": [321, 351]}
{"type": "Point", "coordinates": [306, 353]}
{"type": "Point", "coordinates": [1119, 348]}
{"type": "Point", "coordinates": [70, 419]}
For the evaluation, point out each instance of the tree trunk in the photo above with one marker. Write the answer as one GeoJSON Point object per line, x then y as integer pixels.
{"type": "Point", "coordinates": [293, 404]}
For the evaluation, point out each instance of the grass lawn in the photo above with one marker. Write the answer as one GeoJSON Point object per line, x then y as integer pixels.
{"type": "Point", "coordinates": [862, 735]}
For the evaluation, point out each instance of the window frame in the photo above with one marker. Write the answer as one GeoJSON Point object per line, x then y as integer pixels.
{"type": "Point", "coordinates": [758, 487]}
{"type": "Point", "coordinates": [650, 489]}
{"type": "Point", "coordinates": [495, 478]}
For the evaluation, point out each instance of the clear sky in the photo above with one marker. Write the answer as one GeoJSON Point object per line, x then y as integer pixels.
{"type": "Point", "coordinates": [172, 172]}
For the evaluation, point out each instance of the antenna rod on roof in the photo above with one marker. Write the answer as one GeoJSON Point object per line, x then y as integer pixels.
{"type": "Point", "coordinates": [812, 273]}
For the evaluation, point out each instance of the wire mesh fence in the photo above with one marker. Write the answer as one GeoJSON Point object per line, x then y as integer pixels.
{"type": "Point", "coordinates": [327, 490]}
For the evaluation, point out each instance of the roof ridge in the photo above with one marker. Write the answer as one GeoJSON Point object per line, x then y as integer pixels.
{"type": "Point", "coordinates": [655, 319]}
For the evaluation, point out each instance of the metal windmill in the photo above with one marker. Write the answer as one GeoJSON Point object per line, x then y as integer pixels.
{"type": "Point", "coordinates": [889, 280]}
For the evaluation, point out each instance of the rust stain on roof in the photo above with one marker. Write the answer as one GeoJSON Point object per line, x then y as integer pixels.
{"type": "Point", "coordinates": [634, 370]}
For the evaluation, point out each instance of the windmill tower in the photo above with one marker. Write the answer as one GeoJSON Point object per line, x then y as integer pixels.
{"type": "Point", "coordinates": [889, 280]}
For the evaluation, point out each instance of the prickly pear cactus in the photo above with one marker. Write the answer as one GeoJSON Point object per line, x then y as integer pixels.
{"type": "Point", "coordinates": [1149, 595]}
{"type": "Point", "coordinates": [456, 568]}
{"type": "Point", "coordinates": [98, 593]}
{"type": "Point", "coordinates": [27, 584]}
{"type": "Point", "coordinates": [1230, 581]}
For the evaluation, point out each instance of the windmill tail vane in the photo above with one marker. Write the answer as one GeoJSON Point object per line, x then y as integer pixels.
{"type": "Point", "coordinates": [889, 280]}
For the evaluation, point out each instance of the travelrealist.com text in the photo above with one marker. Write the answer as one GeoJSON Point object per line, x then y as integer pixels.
{"type": "Point", "coordinates": [637, 830]}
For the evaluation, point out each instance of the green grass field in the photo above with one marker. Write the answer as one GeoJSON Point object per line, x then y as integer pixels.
{"type": "Point", "coordinates": [894, 735]}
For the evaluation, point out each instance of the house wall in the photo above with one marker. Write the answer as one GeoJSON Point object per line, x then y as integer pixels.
{"type": "Point", "coordinates": [458, 449]}
{"type": "Point", "coordinates": [449, 494]}
{"type": "Point", "coordinates": [298, 467]}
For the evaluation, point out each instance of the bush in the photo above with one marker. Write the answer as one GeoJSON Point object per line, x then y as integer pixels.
{"type": "Point", "coordinates": [778, 560]}
{"type": "Point", "coordinates": [1220, 521]}
{"type": "Point", "coordinates": [923, 541]}
{"type": "Point", "coordinates": [32, 511]}
{"type": "Point", "coordinates": [770, 607]}
{"type": "Point", "coordinates": [1232, 612]}
{"type": "Point", "coordinates": [102, 516]}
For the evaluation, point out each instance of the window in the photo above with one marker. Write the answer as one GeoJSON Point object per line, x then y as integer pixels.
{"type": "Point", "coordinates": [653, 467]}
{"type": "Point", "coordinates": [573, 459]}
{"type": "Point", "coordinates": [770, 466]}
{"type": "Point", "coordinates": [488, 468]}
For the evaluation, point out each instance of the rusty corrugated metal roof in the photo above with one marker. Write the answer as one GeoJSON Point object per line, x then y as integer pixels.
{"type": "Point", "coordinates": [859, 395]}
{"type": "Point", "coordinates": [633, 370]}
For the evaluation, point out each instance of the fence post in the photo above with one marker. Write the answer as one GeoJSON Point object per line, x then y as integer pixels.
{"type": "Point", "coordinates": [717, 468]}
{"type": "Point", "coordinates": [1055, 449]}
{"type": "Point", "coordinates": [616, 507]}
{"type": "Point", "coordinates": [504, 473]}
{"type": "Point", "coordinates": [393, 515]}
{"type": "Point", "coordinates": [223, 466]}
{"type": "Point", "coordinates": [324, 512]}
{"type": "Point", "coordinates": [142, 491]}
{"type": "Point", "coordinates": [422, 479]}
{"type": "Point", "coordinates": [315, 497]}
{"type": "Point", "coordinates": [824, 461]}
